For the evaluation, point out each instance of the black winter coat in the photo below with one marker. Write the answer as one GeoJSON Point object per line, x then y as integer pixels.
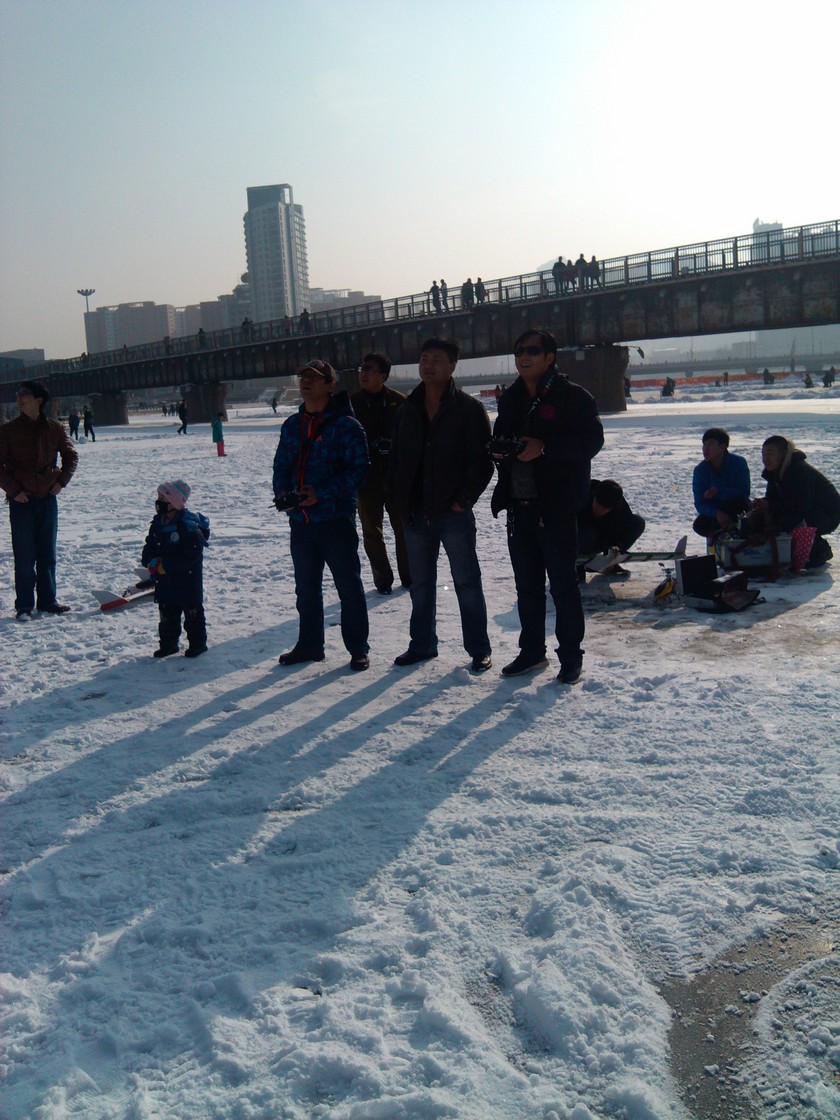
{"type": "Point", "coordinates": [448, 456]}
{"type": "Point", "coordinates": [377, 413]}
{"type": "Point", "coordinates": [566, 420]}
{"type": "Point", "coordinates": [802, 494]}
{"type": "Point", "coordinates": [178, 546]}
{"type": "Point", "coordinates": [614, 526]}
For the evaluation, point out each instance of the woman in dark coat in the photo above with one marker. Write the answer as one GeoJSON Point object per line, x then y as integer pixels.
{"type": "Point", "coordinates": [797, 494]}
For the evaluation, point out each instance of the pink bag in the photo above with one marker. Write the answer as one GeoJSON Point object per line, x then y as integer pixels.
{"type": "Point", "coordinates": [801, 543]}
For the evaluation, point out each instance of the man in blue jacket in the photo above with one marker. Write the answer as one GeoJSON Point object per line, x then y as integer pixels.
{"type": "Point", "coordinates": [543, 484]}
{"type": "Point", "coordinates": [721, 485]}
{"type": "Point", "coordinates": [321, 460]}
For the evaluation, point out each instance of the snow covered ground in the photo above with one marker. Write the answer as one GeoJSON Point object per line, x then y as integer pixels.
{"type": "Point", "coordinates": [236, 891]}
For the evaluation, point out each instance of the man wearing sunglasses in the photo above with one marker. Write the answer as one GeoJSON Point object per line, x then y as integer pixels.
{"type": "Point", "coordinates": [543, 483]}
{"type": "Point", "coordinates": [321, 460]}
{"type": "Point", "coordinates": [29, 448]}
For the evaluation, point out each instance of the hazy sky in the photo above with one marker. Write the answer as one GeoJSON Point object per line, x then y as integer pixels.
{"type": "Point", "coordinates": [423, 139]}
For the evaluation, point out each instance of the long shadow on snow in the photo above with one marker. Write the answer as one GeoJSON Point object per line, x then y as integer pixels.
{"type": "Point", "coordinates": [79, 787]}
{"type": "Point", "coordinates": [153, 906]}
{"type": "Point", "coordinates": [142, 680]}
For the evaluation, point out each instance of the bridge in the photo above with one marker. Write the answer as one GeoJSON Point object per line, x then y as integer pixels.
{"type": "Point", "coordinates": [778, 278]}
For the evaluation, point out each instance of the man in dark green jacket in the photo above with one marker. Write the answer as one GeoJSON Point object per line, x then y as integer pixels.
{"type": "Point", "coordinates": [376, 407]}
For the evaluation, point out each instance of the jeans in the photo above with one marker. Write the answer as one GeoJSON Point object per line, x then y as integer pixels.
{"type": "Point", "coordinates": [336, 544]}
{"type": "Point", "coordinates": [372, 505]}
{"type": "Point", "coordinates": [539, 544]}
{"type": "Point", "coordinates": [34, 526]}
{"type": "Point", "coordinates": [423, 538]}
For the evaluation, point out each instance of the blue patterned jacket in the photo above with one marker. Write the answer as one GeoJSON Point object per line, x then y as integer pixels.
{"type": "Point", "coordinates": [327, 451]}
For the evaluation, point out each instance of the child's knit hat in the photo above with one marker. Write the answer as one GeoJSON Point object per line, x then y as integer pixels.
{"type": "Point", "coordinates": [176, 493]}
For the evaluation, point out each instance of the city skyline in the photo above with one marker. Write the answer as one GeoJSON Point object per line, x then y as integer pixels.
{"type": "Point", "coordinates": [422, 141]}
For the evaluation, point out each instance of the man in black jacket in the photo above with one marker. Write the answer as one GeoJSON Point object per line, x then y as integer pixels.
{"type": "Point", "coordinates": [438, 470]}
{"type": "Point", "coordinates": [376, 409]}
{"type": "Point", "coordinates": [605, 522]}
{"type": "Point", "coordinates": [543, 484]}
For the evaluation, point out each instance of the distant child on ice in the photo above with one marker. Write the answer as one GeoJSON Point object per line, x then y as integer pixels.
{"type": "Point", "coordinates": [174, 555]}
{"type": "Point", "coordinates": [217, 434]}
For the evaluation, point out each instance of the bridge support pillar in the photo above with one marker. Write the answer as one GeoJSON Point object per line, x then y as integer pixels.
{"type": "Point", "coordinates": [601, 370]}
{"type": "Point", "coordinates": [109, 409]}
{"type": "Point", "coordinates": [204, 402]}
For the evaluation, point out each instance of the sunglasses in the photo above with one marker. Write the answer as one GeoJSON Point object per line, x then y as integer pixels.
{"type": "Point", "coordinates": [532, 351]}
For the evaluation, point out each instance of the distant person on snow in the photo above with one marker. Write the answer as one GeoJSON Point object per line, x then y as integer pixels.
{"type": "Point", "coordinates": [721, 485]}
{"type": "Point", "coordinates": [174, 555]}
{"type": "Point", "coordinates": [87, 415]}
{"type": "Point", "coordinates": [182, 416]}
{"type": "Point", "coordinates": [218, 435]}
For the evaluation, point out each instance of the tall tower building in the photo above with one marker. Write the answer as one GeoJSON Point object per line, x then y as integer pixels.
{"type": "Point", "coordinates": [275, 244]}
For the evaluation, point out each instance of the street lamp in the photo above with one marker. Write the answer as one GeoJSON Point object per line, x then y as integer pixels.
{"type": "Point", "coordinates": [87, 293]}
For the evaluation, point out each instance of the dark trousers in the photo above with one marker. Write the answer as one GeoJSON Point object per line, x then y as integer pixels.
{"type": "Point", "coordinates": [34, 527]}
{"type": "Point", "coordinates": [169, 627]}
{"type": "Point", "coordinates": [373, 504]}
{"type": "Point", "coordinates": [706, 526]}
{"type": "Point", "coordinates": [541, 545]}
{"type": "Point", "coordinates": [336, 545]}
{"type": "Point", "coordinates": [591, 540]}
{"type": "Point", "coordinates": [423, 538]}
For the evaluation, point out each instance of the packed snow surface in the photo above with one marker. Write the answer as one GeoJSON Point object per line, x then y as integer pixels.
{"type": "Point", "coordinates": [242, 892]}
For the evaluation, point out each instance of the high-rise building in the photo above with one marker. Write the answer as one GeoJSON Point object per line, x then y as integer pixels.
{"type": "Point", "coordinates": [275, 244]}
{"type": "Point", "coordinates": [128, 324]}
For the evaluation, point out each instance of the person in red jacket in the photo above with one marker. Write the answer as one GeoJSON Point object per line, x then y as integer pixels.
{"type": "Point", "coordinates": [31, 478]}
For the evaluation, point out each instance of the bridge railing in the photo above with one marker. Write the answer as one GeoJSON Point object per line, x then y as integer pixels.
{"type": "Point", "coordinates": [771, 247]}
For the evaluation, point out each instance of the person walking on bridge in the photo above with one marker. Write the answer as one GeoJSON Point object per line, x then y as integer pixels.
{"type": "Point", "coordinates": [558, 271]}
{"type": "Point", "coordinates": [444, 295]}
{"type": "Point", "coordinates": [434, 292]}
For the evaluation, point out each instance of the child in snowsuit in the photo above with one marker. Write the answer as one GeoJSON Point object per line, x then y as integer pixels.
{"type": "Point", "coordinates": [174, 554]}
{"type": "Point", "coordinates": [217, 434]}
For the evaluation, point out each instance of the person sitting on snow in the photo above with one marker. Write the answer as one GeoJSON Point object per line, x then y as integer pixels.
{"type": "Point", "coordinates": [721, 485]}
{"type": "Point", "coordinates": [605, 522]}
{"type": "Point", "coordinates": [798, 496]}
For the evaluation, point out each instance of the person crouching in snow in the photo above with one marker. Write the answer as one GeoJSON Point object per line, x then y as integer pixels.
{"type": "Point", "coordinates": [217, 434]}
{"type": "Point", "coordinates": [174, 554]}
